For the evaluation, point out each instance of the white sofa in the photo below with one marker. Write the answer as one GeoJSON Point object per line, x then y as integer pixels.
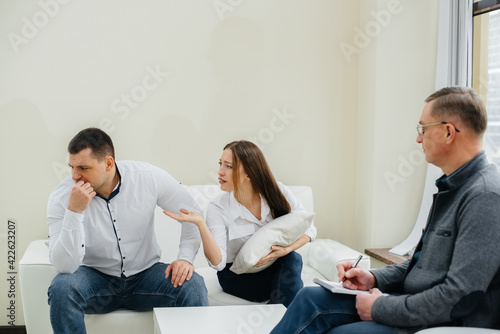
{"type": "Point", "coordinates": [36, 273]}
{"type": "Point", "coordinates": [458, 330]}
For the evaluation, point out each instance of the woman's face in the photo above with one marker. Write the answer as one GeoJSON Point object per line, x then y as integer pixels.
{"type": "Point", "coordinates": [226, 171]}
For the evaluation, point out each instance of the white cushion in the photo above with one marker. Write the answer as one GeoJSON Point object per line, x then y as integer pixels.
{"type": "Point", "coordinates": [217, 297]}
{"type": "Point", "coordinates": [282, 231]}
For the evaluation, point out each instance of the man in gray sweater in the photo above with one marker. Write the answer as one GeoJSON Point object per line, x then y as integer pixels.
{"type": "Point", "coordinates": [453, 278]}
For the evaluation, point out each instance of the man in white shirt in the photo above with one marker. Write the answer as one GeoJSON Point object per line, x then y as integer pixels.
{"type": "Point", "coordinates": [101, 229]}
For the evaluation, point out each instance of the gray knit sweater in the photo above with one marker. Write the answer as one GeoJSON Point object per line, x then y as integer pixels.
{"type": "Point", "coordinates": [455, 279]}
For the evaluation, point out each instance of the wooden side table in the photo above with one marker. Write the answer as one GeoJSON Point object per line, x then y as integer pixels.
{"type": "Point", "coordinates": [383, 255]}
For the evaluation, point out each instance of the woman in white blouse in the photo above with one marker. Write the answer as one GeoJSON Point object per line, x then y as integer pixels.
{"type": "Point", "coordinates": [252, 199]}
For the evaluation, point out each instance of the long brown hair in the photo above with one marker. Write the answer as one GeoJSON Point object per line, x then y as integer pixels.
{"type": "Point", "coordinates": [252, 159]}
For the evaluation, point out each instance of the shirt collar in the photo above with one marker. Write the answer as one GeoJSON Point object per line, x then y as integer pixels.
{"type": "Point", "coordinates": [117, 187]}
{"type": "Point", "coordinates": [237, 210]}
{"type": "Point", "coordinates": [463, 173]}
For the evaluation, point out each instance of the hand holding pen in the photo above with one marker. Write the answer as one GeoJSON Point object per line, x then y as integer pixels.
{"type": "Point", "coordinates": [359, 278]}
{"type": "Point", "coordinates": [354, 265]}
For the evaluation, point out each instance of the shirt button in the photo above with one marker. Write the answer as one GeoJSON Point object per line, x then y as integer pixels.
{"type": "Point", "coordinates": [83, 245]}
{"type": "Point", "coordinates": [124, 257]}
{"type": "Point", "coordinates": [119, 239]}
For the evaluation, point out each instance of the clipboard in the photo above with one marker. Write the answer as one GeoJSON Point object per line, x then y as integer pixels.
{"type": "Point", "coordinates": [336, 287]}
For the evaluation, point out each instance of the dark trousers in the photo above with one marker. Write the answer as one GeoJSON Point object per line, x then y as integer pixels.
{"type": "Point", "coordinates": [279, 283]}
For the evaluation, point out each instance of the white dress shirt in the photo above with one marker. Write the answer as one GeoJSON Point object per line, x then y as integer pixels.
{"type": "Point", "coordinates": [116, 236]}
{"type": "Point", "coordinates": [232, 224]}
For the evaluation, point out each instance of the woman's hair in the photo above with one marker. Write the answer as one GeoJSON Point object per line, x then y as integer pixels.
{"type": "Point", "coordinates": [251, 158]}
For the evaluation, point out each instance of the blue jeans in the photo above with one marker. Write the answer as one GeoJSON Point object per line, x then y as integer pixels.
{"type": "Point", "coordinates": [279, 283]}
{"type": "Point", "coordinates": [90, 291]}
{"type": "Point", "coordinates": [317, 310]}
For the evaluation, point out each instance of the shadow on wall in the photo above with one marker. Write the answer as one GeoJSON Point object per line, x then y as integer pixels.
{"type": "Point", "coordinates": [26, 170]}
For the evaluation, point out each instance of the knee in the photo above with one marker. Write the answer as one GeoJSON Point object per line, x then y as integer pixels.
{"type": "Point", "coordinates": [292, 261]}
{"type": "Point", "coordinates": [193, 292]}
{"type": "Point", "coordinates": [61, 288]}
{"type": "Point", "coordinates": [304, 301]}
{"type": "Point", "coordinates": [291, 267]}
{"type": "Point", "coordinates": [309, 294]}
{"type": "Point", "coordinates": [293, 257]}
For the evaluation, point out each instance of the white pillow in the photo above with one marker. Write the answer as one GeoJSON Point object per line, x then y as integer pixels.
{"type": "Point", "coordinates": [282, 231]}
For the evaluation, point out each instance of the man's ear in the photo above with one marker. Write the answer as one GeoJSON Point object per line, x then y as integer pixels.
{"type": "Point", "coordinates": [450, 133]}
{"type": "Point", "coordinates": [110, 162]}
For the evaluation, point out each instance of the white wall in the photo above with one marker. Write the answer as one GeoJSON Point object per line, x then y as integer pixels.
{"type": "Point", "coordinates": [397, 73]}
{"type": "Point", "coordinates": [271, 71]}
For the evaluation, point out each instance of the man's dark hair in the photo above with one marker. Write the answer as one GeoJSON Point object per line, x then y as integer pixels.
{"type": "Point", "coordinates": [97, 140]}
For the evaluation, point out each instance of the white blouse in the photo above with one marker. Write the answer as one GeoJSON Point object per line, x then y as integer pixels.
{"type": "Point", "coordinates": [232, 224]}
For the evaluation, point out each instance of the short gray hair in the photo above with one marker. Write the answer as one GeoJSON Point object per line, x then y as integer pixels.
{"type": "Point", "coordinates": [461, 102]}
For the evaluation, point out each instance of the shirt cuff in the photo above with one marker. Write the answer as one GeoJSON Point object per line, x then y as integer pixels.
{"type": "Point", "coordinates": [73, 220]}
{"type": "Point", "coordinates": [311, 233]}
{"type": "Point", "coordinates": [184, 254]}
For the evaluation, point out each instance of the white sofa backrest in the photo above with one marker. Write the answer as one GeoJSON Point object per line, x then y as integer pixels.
{"type": "Point", "coordinates": [168, 231]}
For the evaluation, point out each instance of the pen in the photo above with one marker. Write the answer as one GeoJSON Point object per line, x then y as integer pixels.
{"type": "Point", "coordinates": [354, 265]}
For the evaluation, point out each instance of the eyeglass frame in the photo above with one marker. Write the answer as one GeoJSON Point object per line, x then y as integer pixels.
{"type": "Point", "coordinates": [421, 127]}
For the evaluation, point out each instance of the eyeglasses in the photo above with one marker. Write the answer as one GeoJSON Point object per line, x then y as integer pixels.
{"type": "Point", "coordinates": [420, 127]}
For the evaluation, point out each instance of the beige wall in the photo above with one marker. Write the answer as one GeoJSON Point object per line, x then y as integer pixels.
{"type": "Point", "coordinates": [396, 74]}
{"type": "Point", "coordinates": [276, 72]}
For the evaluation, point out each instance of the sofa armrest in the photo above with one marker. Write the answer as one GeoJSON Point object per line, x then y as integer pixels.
{"type": "Point", "coordinates": [35, 275]}
{"type": "Point", "coordinates": [323, 255]}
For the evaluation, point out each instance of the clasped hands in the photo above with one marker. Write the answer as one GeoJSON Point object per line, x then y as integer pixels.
{"type": "Point", "coordinates": [360, 279]}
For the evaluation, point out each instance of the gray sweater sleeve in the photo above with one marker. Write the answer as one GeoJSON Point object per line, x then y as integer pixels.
{"type": "Point", "coordinates": [455, 268]}
{"type": "Point", "coordinates": [390, 279]}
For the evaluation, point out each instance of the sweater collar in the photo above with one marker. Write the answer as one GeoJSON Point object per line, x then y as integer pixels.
{"type": "Point", "coordinates": [463, 173]}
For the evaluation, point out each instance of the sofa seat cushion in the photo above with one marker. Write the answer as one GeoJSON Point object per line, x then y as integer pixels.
{"type": "Point", "coordinates": [217, 297]}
